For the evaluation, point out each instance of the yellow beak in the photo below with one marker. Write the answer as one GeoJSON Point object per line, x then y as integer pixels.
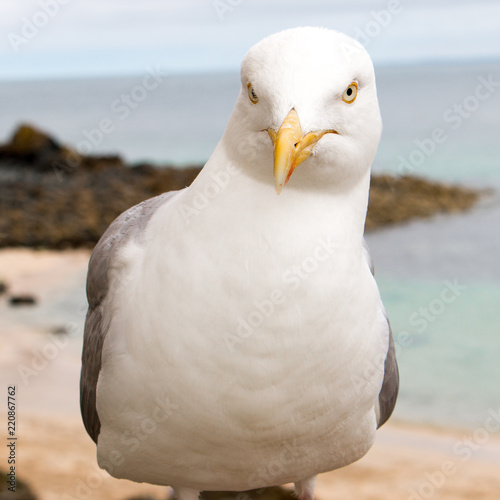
{"type": "Point", "coordinates": [291, 147]}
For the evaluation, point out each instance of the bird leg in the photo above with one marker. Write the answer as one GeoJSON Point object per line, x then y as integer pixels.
{"type": "Point", "coordinates": [305, 488]}
{"type": "Point", "coordinates": [186, 493]}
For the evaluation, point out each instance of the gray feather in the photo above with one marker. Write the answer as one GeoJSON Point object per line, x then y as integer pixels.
{"type": "Point", "coordinates": [390, 385]}
{"type": "Point", "coordinates": [129, 225]}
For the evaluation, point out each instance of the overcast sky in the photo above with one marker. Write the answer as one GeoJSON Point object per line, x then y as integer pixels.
{"type": "Point", "coordinates": [73, 38]}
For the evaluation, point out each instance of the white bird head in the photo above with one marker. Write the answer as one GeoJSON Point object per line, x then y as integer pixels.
{"type": "Point", "coordinates": [308, 98]}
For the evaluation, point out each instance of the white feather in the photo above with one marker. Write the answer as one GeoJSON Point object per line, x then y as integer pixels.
{"type": "Point", "coordinates": [245, 330]}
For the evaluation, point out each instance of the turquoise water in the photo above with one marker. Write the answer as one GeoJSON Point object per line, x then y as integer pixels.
{"type": "Point", "coordinates": [440, 281]}
{"type": "Point", "coordinates": [448, 353]}
{"type": "Point", "coordinates": [448, 350]}
{"type": "Point", "coordinates": [448, 335]}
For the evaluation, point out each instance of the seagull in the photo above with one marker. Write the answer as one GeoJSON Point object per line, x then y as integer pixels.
{"type": "Point", "coordinates": [235, 337]}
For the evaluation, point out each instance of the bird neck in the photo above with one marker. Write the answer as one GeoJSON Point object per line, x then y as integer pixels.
{"type": "Point", "coordinates": [250, 202]}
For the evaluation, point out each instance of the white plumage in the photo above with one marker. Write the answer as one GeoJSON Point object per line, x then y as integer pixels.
{"type": "Point", "coordinates": [235, 338]}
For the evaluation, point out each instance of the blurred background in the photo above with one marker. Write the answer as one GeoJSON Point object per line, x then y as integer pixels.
{"type": "Point", "coordinates": [155, 81]}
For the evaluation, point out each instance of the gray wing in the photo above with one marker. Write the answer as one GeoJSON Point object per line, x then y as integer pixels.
{"type": "Point", "coordinates": [390, 385]}
{"type": "Point", "coordinates": [129, 225]}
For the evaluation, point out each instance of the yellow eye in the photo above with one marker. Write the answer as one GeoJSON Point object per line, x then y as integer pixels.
{"type": "Point", "coordinates": [252, 95]}
{"type": "Point", "coordinates": [350, 93]}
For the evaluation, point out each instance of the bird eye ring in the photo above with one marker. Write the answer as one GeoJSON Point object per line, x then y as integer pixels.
{"type": "Point", "coordinates": [251, 94]}
{"type": "Point", "coordinates": [350, 93]}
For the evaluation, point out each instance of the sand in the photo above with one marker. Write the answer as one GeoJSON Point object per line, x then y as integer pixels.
{"type": "Point", "coordinates": [57, 458]}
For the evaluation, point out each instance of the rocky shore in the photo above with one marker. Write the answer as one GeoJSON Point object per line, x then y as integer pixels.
{"type": "Point", "coordinates": [53, 197]}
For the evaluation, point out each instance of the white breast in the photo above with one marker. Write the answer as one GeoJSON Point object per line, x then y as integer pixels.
{"type": "Point", "coordinates": [236, 367]}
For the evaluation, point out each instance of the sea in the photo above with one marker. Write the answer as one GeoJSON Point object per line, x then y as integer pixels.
{"type": "Point", "coordinates": [439, 278]}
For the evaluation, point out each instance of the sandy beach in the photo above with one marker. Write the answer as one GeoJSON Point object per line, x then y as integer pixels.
{"type": "Point", "coordinates": [57, 460]}
{"type": "Point", "coordinates": [40, 354]}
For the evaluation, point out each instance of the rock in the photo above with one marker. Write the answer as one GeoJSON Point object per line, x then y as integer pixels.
{"type": "Point", "coordinates": [32, 149]}
{"type": "Point", "coordinates": [22, 300]}
{"type": "Point", "coordinates": [398, 199]}
{"type": "Point", "coordinates": [3, 288]}
{"type": "Point", "coordinates": [59, 330]}
{"type": "Point", "coordinates": [23, 492]}
{"type": "Point", "coordinates": [141, 497]}
{"type": "Point", "coordinates": [28, 142]}
{"type": "Point", "coordinates": [273, 493]}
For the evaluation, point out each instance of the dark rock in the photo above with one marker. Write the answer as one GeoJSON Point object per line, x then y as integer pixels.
{"type": "Point", "coordinates": [23, 492]}
{"type": "Point", "coordinates": [22, 300]}
{"type": "Point", "coordinates": [32, 149]}
{"type": "Point", "coordinates": [28, 143]}
{"type": "Point", "coordinates": [273, 493]}
{"type": "Point", "coordinates": [141, 497]}
{"type": "Point", "coordinates": [3, 288]}
{"type": "Point", "coordinates": [398, 199]}
{"type": "Point", "coordinates": [59, 330]}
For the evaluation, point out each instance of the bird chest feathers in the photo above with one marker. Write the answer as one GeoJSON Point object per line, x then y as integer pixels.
{"type": "Point", "coordinates": [248, 359]}
{"type": "Point", "coordinates": [231, 329]}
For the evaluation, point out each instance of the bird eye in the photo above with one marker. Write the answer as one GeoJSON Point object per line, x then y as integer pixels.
{"type": "Point", "coordinates": [350, 93]}
{"type": "Point", "coordinates": [252, 95]}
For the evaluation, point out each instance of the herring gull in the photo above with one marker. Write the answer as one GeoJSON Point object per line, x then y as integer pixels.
{"type": "Point", "coordinates": [236, 339]}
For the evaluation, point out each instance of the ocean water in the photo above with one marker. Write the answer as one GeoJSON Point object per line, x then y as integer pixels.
{"type": "Point", "coordinates": [181, 117]}
{"type": "Point", "coordinates": [439, 278]}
